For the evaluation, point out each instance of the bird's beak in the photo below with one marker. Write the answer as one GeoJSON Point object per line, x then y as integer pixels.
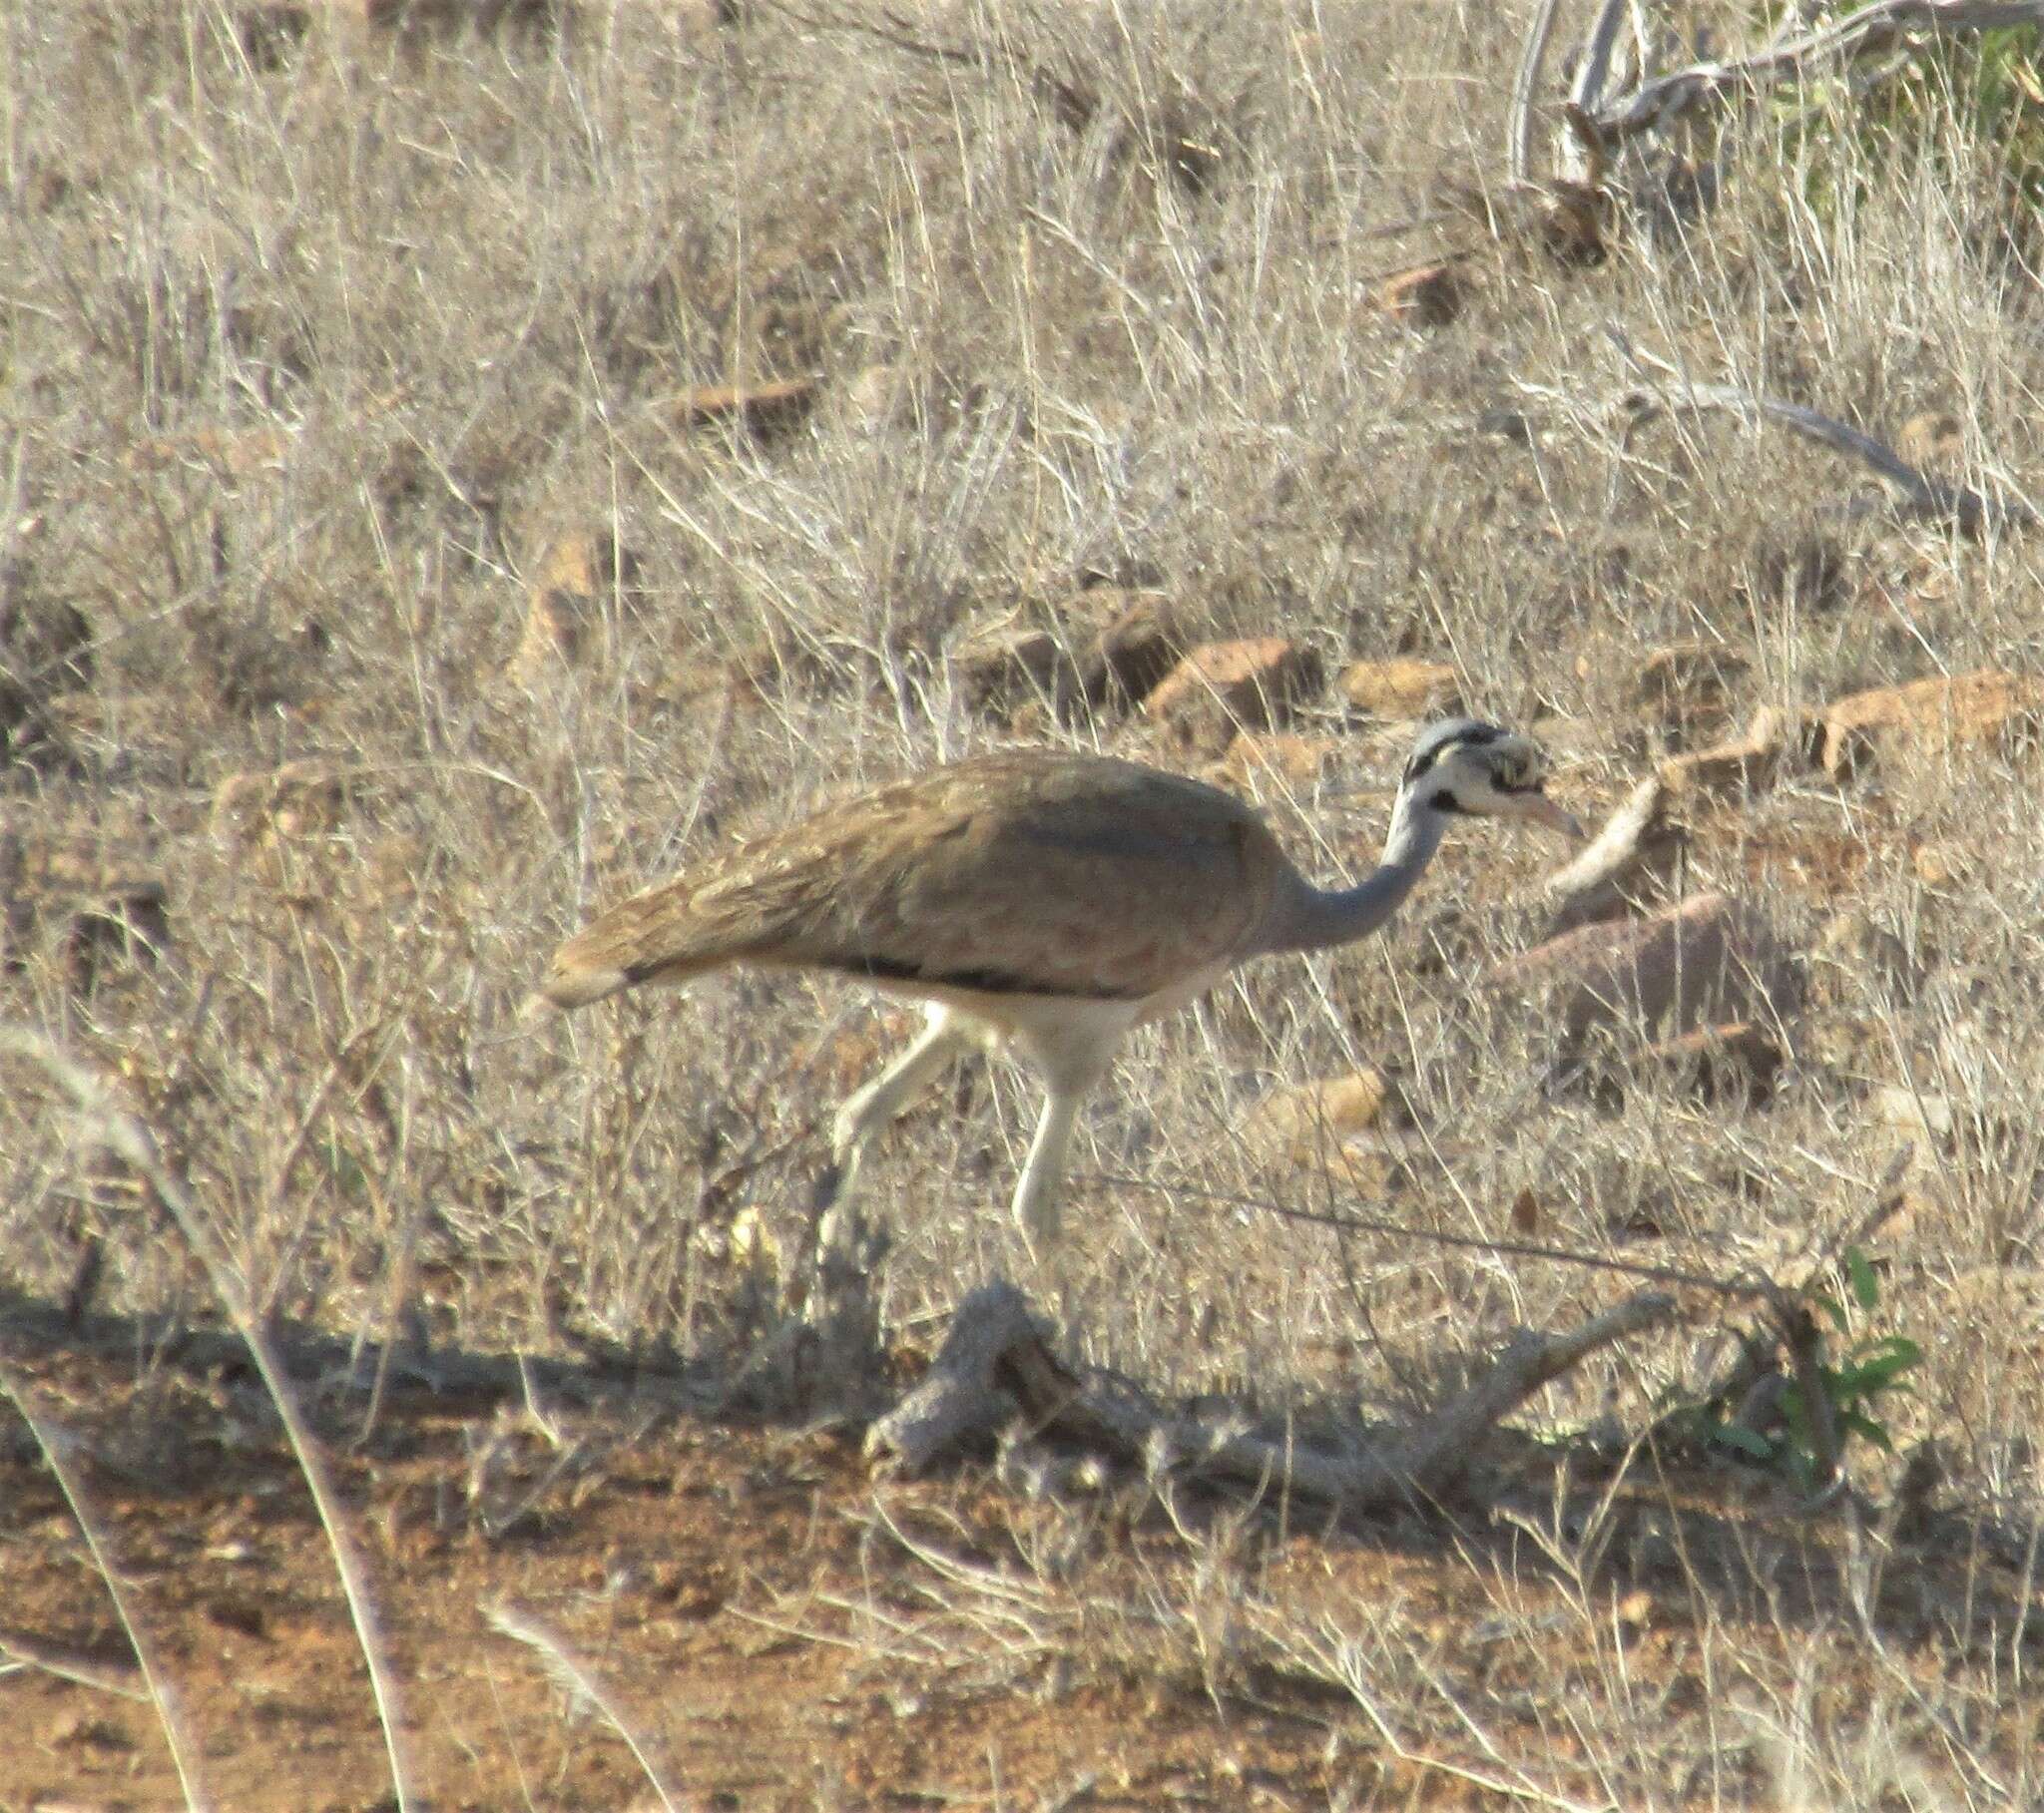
{"type": "Point", "coordinates": [1542, 811]}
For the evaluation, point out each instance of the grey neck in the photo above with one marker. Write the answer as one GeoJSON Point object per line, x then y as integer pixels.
{"type": "Point", "coordinates": [1306, 918]}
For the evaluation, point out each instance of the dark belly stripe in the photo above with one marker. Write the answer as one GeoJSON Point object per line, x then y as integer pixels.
{"type": "Point", "coordinates": [986, 982]}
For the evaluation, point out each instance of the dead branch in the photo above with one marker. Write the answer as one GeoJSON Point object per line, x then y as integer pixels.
{"type": "Point", "coordinates": [996, 1371]}
{"type": "Point", "coordinates": [1659, 100]}
{"type": "Point", "coordinates": [1519, 120]}
{"type": "Point", "coordinates": [1916, 491]}
{"type": "Point", "coordinates": [1626, 857]}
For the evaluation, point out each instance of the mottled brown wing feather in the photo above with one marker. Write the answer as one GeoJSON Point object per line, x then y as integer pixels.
{"type": "Point", "coordinates": [1031, 871]}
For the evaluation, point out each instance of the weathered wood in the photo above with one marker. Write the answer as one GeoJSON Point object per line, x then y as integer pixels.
{"type": "Point", "coordinates": [1625, 858]}
{"type": "Point", "coordinates": [1916, 491]}
{"type": "Point", "coordinates": [997, 1373]}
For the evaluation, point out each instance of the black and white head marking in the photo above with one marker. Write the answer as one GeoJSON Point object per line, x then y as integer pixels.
{"type": "Point", "coordinates": [1438, 739]}
{"type": "Point", "coordinates": [1466, 768]}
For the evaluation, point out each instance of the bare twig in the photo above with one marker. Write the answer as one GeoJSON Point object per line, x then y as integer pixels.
{"type": "Point", "coordinates": [131, 1141]}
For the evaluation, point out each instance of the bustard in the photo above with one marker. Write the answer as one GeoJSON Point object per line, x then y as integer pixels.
{"type": "Point", "coordinates": [1037, 900]}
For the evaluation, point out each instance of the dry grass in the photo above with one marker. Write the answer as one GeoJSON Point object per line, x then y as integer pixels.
{"type": "Point", "coordinates": [311, 345]}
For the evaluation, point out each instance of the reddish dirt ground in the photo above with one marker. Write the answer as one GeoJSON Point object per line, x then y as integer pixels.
{"type": "Point", "coordinates": [701, 1575]}
{"type": "Point", "coordinates": [740, 1598]}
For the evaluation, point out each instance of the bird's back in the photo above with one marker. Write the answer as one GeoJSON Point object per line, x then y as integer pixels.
{"type": "Point", "coordinates": [1024, 872]}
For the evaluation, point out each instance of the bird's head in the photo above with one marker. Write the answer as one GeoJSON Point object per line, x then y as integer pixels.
{"type": "Point", "coordinates": [1461, 766]}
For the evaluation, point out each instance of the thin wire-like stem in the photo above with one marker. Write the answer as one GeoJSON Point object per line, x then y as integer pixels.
{"type": "Point", "coordinates": [131, 1141]}
{"type": "Point", "coordinates": [55, 1444]}
{"type": "Point", "coordinates": [525, 1629]}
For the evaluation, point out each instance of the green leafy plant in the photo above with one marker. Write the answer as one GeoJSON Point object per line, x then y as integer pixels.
{"type": "Point", "coordinates": [1854, 1387]}
{"type": "Point", "coordinates": [1934, 96]}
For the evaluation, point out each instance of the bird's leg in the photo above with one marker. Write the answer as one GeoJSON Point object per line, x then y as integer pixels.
{"type": "Point", "coordinates": [1037, 1195]}
{"type": "Point", "coordinates": [872, 1107]}
{"type": "Point", "coordinates": [1072, 1050]}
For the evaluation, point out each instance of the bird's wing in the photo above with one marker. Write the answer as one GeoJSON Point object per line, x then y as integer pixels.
{"type": "Point", "coordinates": [1029, 873]}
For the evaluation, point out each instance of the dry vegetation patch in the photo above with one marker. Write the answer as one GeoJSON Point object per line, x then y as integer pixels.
{"type": "Point", "coordinates": [463, 462]}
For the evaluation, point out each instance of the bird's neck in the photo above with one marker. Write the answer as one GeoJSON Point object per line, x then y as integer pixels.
{"type": "Point", "coordinates": [1308, 918]}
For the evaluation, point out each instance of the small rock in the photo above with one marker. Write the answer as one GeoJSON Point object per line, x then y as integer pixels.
{"type": "Point", "coordinates": [576, 574]}
{"type": "Point", "coordinates": [1712, 960]}
{"type": "Point", "coordinates": [1135, 650]}
{"type": "Point", "coordinates": [1740, 1059]}
{"type": "Point", "coordinates": [226, 454]}
{"type": "Point", "coordinates": [1312, 1118]}
{"type": "Point", "coordinates": [999, 666]}
{"type": "Point", "coordinates": [1988, 706]}
{"type": "Point", "coordinates": [1220, 687]}
{"type": "Point", "coordinates": [765, 409]}
{"type": "Point", "coordinates": [1726, 768]}
{"type": "Point", "coordinates": [1681, 681]}
{"type": "Point", "coordinates": [1925, 1115]}
{"type": "Point", "coordinates": [46, 649]}
{"type": "Point", "coordinates": [1775, 741]}
{"type": "Point", "coordinates": [1285, 755]}
{"type": "Point", "coordinates": [1401, 688]}
{"type": "Point", "coordinates": [1940, 865]}
{"type": "Point", "coordinates": [1853, 955]}
{"type": "Point", "coordinates": [390, 871]}
{"type": "Point", "coordinates": [874, 398]}
{"type": "Point", "coordinates": [1426, 295]}
{"type": "Point", "coordinates": [299, 799]}
{"type": "Point", "coordinates": [1934, 440]}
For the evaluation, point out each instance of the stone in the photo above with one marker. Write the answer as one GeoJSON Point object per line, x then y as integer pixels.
{"type": "Point", "coordinates": [228, 454]}
{"type": "Point", "coordinates": [1309, 1120]}
{"type": "Point", "coordinates": [1851, 955]}
{"type": "Point", "coordinates": [1681, 681]}
{"type": "Point", "coordinates": [1925, 1115]}
{"type": "Point", "coordinates": [1401, 688]}
{"type": "Point", "coordinates": [1220, 687]}
{"type": "Point", "coordinates": [299, 799]}
{"type": "Point", "coordinates": [1737, 1059]}
{"type": "Point", "coordinates": [577, 574]}
{"type": "Point", "coordinates": [1934, 440]}
{"type": "Point", "coordinates": [1940, 865]}
{"type": "Point", "coordinates": [1134, 649]}
{"type": "Point", "coordinates": [1710, 961]}
{"type": "Point", "coordinates": [873, 399]}
{"type": "Point", "coordinates": [1426, 295]}
{"type": "Point", "coordinates": [1776, 742]}
{"type": "Point", "coordinates": [767, 409]}
{"type": "Point", "coordinates": [998, 666]}
{"type": "Point", "coordinates": [46, 649]}
{"type": "Point", "coordinates": [1987, 707]}
{"type": "Point", "coordinates": [1285, 757]}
